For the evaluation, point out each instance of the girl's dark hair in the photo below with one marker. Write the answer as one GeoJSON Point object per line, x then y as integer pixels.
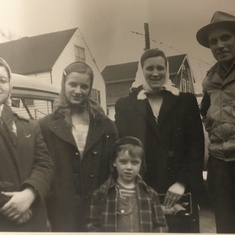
{"type": "Point", "coordinates": [152, 53]}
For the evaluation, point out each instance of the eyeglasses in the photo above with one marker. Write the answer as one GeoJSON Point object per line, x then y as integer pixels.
{"type": "Point", "coordinates": [4, 80]}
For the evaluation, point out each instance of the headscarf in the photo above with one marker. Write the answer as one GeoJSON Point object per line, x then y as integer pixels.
{"type": "Point", "coordinates": [62, 106]}
{"type": "Point", "coordinates": [4, 64]}
{"type": "Point", "coordinates": [6, 113]}
{"type": "Point", "coordinates": [140, 81]}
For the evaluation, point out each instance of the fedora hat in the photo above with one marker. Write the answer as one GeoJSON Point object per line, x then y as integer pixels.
{"type": "Point", "coordinates": [219, 19]}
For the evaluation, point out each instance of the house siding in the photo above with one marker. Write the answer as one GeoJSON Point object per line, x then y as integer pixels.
{"type": "Point", "coordinates": [117, 90]}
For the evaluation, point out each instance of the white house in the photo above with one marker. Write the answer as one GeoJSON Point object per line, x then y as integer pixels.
{"type": "Point", "coordinates": [45, 56]}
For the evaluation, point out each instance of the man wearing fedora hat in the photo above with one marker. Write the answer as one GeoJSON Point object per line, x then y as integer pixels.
{"type": "Point", "coordinates": [218, 111]}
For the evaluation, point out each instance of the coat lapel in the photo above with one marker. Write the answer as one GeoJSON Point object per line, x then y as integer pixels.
{"type": "Point", "coordinates": [62, 130]}
{"type": "Point", "coordinates": [8, 120]}
{"type": "Point", "coordinates": [95, 132]}
{"type": "Point", "coordinates": [168, 102]}
{"type": "Point", "coordinates": [144, 110]}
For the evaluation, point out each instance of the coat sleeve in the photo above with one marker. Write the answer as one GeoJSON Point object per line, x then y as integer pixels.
{"type": "Point", "coordinates": [205, 104]}
{"type": "Point", "coordinates": [191, 166]}
{"type": "Point", "coordinates": [41, 175]}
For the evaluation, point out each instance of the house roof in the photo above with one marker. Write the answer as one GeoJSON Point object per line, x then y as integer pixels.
{"type": "Point", "coordinates": [120, 71]}
{"type": "Point", "coordinates": [35, 54]}
{"type": "Point", "coordinates": [114, 73]}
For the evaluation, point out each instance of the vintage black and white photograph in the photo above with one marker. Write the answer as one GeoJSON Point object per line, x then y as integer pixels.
{"type": "Point", "coordinates": [117, 116]}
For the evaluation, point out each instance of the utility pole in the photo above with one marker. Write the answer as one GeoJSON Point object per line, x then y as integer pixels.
{"type": "Point", "coordinates": [147, 41]}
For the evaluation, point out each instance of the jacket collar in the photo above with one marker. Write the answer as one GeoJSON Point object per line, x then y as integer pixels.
{"type": "Point", "coordinates": [144, 109]}
{"type": "Point", "coordinates": [8, 119]}
{"type": "Point", "coordinates": [222, 78]}
{"type": "Point", "coordinates": [63, 130]}
{"type": "Point", "coordinates": [111, 183]}
{"type": "Point", "coordinates": [60, 128]}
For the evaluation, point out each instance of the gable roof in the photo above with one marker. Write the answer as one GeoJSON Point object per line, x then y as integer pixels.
{"type": "Point", "coordinates": [35, 54]}
{"type": "Point", "coordinates": [120, 71]}
{"type": "Point", "coordinates": [175, 63]}
{"type": "Point", "coordinates": [127, 71]}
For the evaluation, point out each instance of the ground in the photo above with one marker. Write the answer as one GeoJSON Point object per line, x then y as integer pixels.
{"type": "Point", "coordinates": [207, 221]}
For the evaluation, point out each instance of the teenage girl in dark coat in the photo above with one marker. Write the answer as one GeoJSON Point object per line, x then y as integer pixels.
{"type": "Point", "coordinates": [169, 125]}
{"type": "Point", "coordinates": [80, 139]}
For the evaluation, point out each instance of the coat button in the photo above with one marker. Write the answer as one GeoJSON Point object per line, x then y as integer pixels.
{"type": "Point", "coordinates": [95, 152]}
{"type": "Point", "coordinates": [76, 153]}
{"type": "Point", "coordinates": [107, 136]}
{"type": "Point", "coordinates": [92, 175]}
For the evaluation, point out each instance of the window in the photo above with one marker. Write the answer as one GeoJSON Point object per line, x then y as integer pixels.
{"type": "Point", "coordinates": [184, 85]}
{"type": "Point", "coordinates": [29, 102]}
{"type": "Point", "coordinates": [80, 54]}
{"type": "Point", "coordinates": [188, 86]}
{"type": "Point", "coordinates": [15, 102]}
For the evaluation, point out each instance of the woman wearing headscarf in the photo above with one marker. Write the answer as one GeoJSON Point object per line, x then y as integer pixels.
{"type": "Point", "coordinates": [80, 139]}
{"type": "Point", "coordinates": [169, 125]}
{"type": "Point", "coordinates": [26, 169]}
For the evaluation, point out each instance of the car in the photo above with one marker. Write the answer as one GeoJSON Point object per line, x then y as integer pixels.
{"type": "Point", "coordinates": [31, 97]}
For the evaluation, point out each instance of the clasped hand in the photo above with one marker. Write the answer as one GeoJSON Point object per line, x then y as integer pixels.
{"type": "Point", "coordinates": [18, 207]}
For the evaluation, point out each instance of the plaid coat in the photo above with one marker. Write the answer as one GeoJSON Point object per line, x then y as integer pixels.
{"type": "Point", "coordinates": [103, 208]}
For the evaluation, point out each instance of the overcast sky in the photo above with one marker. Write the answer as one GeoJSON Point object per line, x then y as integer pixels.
{"type": "Point", "coordinates": [114, 29]}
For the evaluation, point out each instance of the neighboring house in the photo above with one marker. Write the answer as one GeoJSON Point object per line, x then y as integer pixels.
{"type": "Point", "coordinates": [118, 79]}
{"type": "Point", "coordinates": [45, 56]}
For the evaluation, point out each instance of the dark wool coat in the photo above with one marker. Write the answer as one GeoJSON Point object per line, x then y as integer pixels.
{"type": "Point", "coordinates": [174, 147]}
{"type": "Point", "coordinates": [24, 161]}
{"type": "Point", "coordinates": [75, 180]}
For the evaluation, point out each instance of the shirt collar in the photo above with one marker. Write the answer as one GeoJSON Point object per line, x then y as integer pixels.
{"type": "Point", "coordinates": [220, 70]}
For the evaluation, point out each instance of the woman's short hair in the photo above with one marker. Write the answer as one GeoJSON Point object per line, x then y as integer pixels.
{"type": "Point", "coordinates": [152, 53]}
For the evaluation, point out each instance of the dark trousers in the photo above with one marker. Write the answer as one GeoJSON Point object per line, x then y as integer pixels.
{"type": "Point", "coordinates": [221, 188]}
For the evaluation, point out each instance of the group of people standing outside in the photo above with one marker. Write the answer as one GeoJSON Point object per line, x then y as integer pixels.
{"type": "Point", "coordinates": [75, 170]}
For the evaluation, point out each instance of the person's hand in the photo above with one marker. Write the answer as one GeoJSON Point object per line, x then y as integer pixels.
{"type": "Point", "coordinates": [24, 217]}
{"type": "Point", "coordinates": [173, 210]}
{"type": "Point", "coordinates": [167, 211]}
{"type": "Point", "coordinates": [19, 203]}
{"type": "Point", "coordinates": [174, 193]}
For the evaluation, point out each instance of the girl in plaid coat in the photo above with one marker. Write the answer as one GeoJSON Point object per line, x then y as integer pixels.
{"type": "Point", "coordinates": [125, 203]}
